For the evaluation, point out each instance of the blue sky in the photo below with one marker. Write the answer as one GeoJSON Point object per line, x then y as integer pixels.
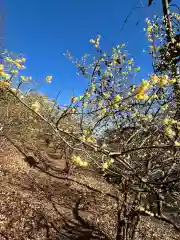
{"type": "Point", "coordinates": [43, 30]}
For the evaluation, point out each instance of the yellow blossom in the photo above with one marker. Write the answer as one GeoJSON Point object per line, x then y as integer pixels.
{"type": "Point", "coordinates": [172, 81]}
{"type": "Point", "coordinates": [169, 132]}
{"type": "Point", "coordinates": [4, 75]}
{"type": "Point", "coordinates": [154, 79]}
{"type": "Point", "coordinates": [142, 96]}
{"type": "Point", "coordinates": [177, 143]}
{"type": "Point", "coordinates": [77, 160]}
{"type": "Point", "coordinates": [105, 165]}
{"type": "Point", "coordinates": [74, 99]}
{"type": "Point", "coordinates": [104, 110]}
{"type": "Point", "coordinates": [73, 110]}
{"type": "Point", "coordinates": [36, 106]}
{"type": "Point", "coordinates": [117, 99]}
{"type": "Point", "coordinates": [17, 64]}
{"type": "Point", "coordinates": [93, 87]}
{"type": "Point", "coordinates": [1, 67]}
{"type": "Point", "coordinates": [155, 96]}
{"type": "Point", "coordinates": [108, 163]}
{"type": "Point", "coordinates": [166, 121]}
{"type": "Point", "coordinates": [91, 139]}
{"type": "Point", "coordinates": [116, 106]}
{"type": "Point", "coordinates": [162, 80]}
{"type": "Point", "coordinates": [22, 67]}
{"type": "Point", "coordinates": [14, 71]}
{"type": "Point", "coordinates": [23, 59]}
{"type": "Point", "coordinates": [48, 79]}
{"type": "Point", "coordinates": [84, 105]}
{"type": "Point", "coordinates": [130, 61]}
{"type": "Point", "coordinates": [23, 78]}
{"type": "Point", "coordinates": [92, 41]}
{"type": "Point", "coordinates": [14, 90]}
{"type": "Point", "coordinates": [165, 107]}
{"type": "Point", "coordinates": [106, 94]}
{"type": "Point", "coordinates": [4, 84]}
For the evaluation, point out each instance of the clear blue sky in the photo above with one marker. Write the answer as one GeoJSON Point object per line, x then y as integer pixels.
{"type": "Point", "coordinates": [43, 30]}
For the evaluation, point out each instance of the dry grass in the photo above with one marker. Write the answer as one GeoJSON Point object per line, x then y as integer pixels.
{"type": "Point", "coordinates": [34, 205]}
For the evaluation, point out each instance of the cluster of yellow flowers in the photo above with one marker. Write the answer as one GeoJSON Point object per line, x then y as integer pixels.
{"type": "Point", "coordinates": [3, 74]}
{"type": "Point", "coordinates": [104, 111]}
{"type": "Point", "coordinates": [77, 160]}
{"type": "Point", "coordinates": [14, 90]}
{"type": "Point", "coordinates": [169, 132]}
{"type": "Point", "coordinates": [4, 84]}
{"type": "Point", "coordinates": [74, 99]}
{"type": "Point", "coordinates": [87, 136]}
{"type": "Point", "coordinates": [168, 123]}
{"type": "Point", "coordinates": [17, 62]}
{"type": "Point", "coordinates": [108, 163]}
{"type": "Point", "coordinates": [176, 15]}
{"type": "Point", "coordinates": [161, 80]}
{"type": "Point", "coordinates": [25, 79]}
{"type": "Point", "coordinates": [73, 110]}
{"type": "Point", "coordinates": [96, 42]}
{"type": "Point", "coordinates": [149, 30]}
{"type": "Point", "coordinates": [36, 106]}
{"type": "Point", "coordinates": [48, 79]}
{"type": "Point", "coordinates": [142, 89]}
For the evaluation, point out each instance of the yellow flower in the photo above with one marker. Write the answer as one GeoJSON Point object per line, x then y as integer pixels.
{"type": "Point", "coordinates": [73, 110]}
{"type": "Point", "coordinates": [117, 99]}
{"type": "Point", "coordinates": [116, 106]}
{"type": "Point", "coordinates": [4, 84]}
{"type": "Point", "coordinates": [142, 96]}
{"type": "Point", "coordinates": [22, 67]}
{"type": "Point", "coordinates": [169, 132]}
{"type": "Point", "coordinates": [14, 90]}
{"type": "Point", "coordinates": [74, 99]}
{"type": "Point", "coordinates": [172, 81]}
{"type": "Point", "coordinates": [165, 107]}
{"type": "Point", "coordinates": [166, 121]}
{"type": "Point", "coordinates": [48, 79]}
{"type": "Point", "coordinates": [23, 59]}
{"type": "Point", "coordinates": [4, 75]}
{"type": "Point", "coordinates": [17, 64]}
{"type": "Point", "coordinates": [177, 143]}
{"type": "Point", "coordinates": [105, 165]}
{"type": "Point", "coordinates": [93, 87]}
{"type": "Point", "coordinates": [154, 79]}
{"type": "Point", "coordinates": [108, 163]}
{"type": "Point", "coordinates": [87, 94]}
{"type": "Point", "coordinates": [106, 94]}
{"type": "Point", "coordinates": [23, 78]}
{"type": "Point", "coordinates": [155, 96]}
{"type": "Point", "coordinates": [36, 106]}
{"type": "Point", "coordinates": [84, 105]}
{"type": "Point", "coordinates": [104, 110]}
{"type": "Point", "coordinates": [14, 71]}
{"type": "Point", "coordinates": [92, 41]}
{"type": "Point", "coordinates": [91, 139]}
{"type": "Point", "coordinates": [1, 67]}
{"type": "Point", "coordinates": [162, 80]}
{"type": "Point", "coordinates": [130, 61]}
{"type": "Point", "coordinates": [77, 160]}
